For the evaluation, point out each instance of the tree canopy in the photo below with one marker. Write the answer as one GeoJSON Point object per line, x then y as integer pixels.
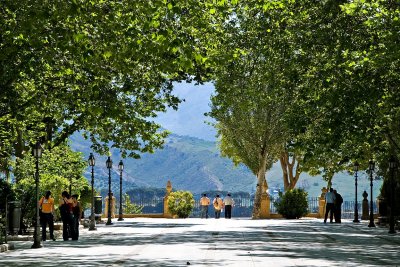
{"type": "Point", "coordinates": [333, 64]}
{"type": "Point", "coordinates": [100, 67]}
{"type": "Point", "coordinates": [316, 79]}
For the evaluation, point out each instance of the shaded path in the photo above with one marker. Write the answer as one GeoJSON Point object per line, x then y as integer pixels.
{"type": "Point", "coordinates": [236, 242]}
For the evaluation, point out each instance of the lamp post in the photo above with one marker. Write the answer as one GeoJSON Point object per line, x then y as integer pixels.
{"type": "Point", "coordinates": [371, 208]}
{"type": "Point", "coordinates": [37, 153]}
{"type": "Point", "coordinates": [92, 224]}
{"type": "Point", "coordinates": [392, 168]}
{"type": "Point", "coordinates": [356, 220]}
{"type": "Point", "coordinates": [120, 168]}
{"type": "Point", "coordinates": [109, 166]}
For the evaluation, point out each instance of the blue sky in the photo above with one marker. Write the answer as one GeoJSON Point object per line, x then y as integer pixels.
{"type": "Point", "coordinates": [189, 119]}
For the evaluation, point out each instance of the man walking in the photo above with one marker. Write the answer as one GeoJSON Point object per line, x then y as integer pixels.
{"type": "Point", "coordinates": [330, 205]}
{"type": "Point", "coordinates": [204, 203]}
{"type": "Point", "coordinates": [228, 204]}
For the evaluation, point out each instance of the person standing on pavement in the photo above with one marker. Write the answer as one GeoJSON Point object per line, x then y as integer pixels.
{"type": "Point", "coordinates": [330, 205]}
{"type": "Point", "coordinates": [67, 216]}
{"type": "Point", "coordinates": [204, 203]}
{"type": "Point", "coordinates": [228, 204]}
{"type": "Point", "coordinates": [46, 204]}
{"type": "Point", "coordinates": [77, 212]}
{"type": "Point", "coordinates": [218, 206]}
{"type": "Point", "coordinates": [338, 207]}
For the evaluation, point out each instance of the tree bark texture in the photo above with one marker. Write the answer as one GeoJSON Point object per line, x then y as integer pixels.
{"type": "Point", "coordinates": [260, 178]}
{"type": "Point", "coordinates": [290, 169]}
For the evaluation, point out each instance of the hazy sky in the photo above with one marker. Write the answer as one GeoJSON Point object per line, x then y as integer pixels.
{"type": "Point", "coordinates": [189, 119]}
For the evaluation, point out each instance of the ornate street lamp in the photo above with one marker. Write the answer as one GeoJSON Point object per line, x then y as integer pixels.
{"type": "Point", "coordinates": [356, 220]}
{"type": "Point", "coordinates": [120, 168]}
{"type": "Point", "coordinates": [92, 224]}
{"type": "Point", "coordinates": [392, 168]}
{"type": "Point", "coordinates": [109, 166]}
{"type": "Point", "coordinates": [371, 208]}
{"type": "Point", "coordinates": [37, 153]}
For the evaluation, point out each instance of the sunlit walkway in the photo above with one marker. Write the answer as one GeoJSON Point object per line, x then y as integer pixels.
{"type": "Point", "coordinates": [236, 242]}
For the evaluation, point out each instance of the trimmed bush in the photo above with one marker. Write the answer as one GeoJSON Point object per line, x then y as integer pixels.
{"type": "Point", "coordinates": [293, 204]}
{"type": "Point", "coordinates": [181, 203]}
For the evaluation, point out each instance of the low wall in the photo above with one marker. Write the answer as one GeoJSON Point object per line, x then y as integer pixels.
{"type": "Point", "coordinates": [152, 215]}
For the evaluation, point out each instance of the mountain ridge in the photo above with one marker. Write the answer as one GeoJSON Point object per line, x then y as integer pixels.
{"type": "Point", "coordinates": [194, 164]}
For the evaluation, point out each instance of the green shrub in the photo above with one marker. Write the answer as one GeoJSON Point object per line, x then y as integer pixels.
{"type": "Point", "coordinates": [293, 204]}
{"type": "Point", "coordinates": [131, 208]}
{"type": "Point", "coordinates": [181, 203]}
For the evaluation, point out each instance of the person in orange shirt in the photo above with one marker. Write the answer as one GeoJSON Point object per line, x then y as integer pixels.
{"type": "Point", "coordinates": [218, 206]}
{"type": "Point", "coordinates": [46, 204]}
{"type": "Point", "coordinates": [204, 203]}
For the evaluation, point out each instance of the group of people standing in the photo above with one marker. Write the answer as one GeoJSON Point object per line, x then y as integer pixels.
{"type": "Point", "coordinates": [219, 204]}
{"type": "Point", "coordinates": [333, 206]}
{"type": "Point", "coordinates": [70, 211]}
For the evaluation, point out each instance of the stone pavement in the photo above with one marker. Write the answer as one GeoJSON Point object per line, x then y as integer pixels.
{"type": "Point", "coordinates": [197, 242]}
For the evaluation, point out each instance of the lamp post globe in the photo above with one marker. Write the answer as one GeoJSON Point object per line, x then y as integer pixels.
{"type": "Point", "coordinates": [371, 205]}
{"type": "Point", "coordinates": [37, 153]}
{"type": "Point", "coordinates": [120, 168]}
{"type": "Point", "coordinates": [393, 168]}
{"type": "Point", "coordinates": [109, 167]}
{"type": "Point", "coordinates": [355, 168]}
{"type": "Point", "coordinates": [92, 163]}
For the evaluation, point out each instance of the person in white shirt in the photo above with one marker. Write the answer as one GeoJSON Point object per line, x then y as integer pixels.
{"type": "Point", "coordinates": [204, 203]}
{"type": "Point", "coordinates": [228, 204]}
{"type": "Point", "coordinates": [330, 205]}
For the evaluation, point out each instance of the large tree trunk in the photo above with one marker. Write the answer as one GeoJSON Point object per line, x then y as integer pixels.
{"type": "Point", "coordinates": [260, 178]}
{"type": "Point", "coordinates": [19, 148]}
{"type": "Point", "coordinates": [291, 174]}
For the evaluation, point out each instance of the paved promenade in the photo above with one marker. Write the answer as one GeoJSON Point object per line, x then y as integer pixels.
{"type": "Point", "coordinates": [236, 242]}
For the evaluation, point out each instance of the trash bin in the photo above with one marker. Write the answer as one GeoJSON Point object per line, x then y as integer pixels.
{"type": "Point", "coordinates": [98, 207]}
{"type": "Point", "coordinates": [14, 216]}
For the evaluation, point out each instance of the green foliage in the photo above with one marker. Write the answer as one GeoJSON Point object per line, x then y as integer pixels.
{"type": "Point", "coordinates": [85, 196]}
{"type": "Point", "coordinates": [6, 191]}
{"type": "Point", "coordinates": [57, 169]}
{"type": "Point", "coordinates": [181, 203]}
{"type": "Point", "coordinates": [102, 68]}
{"type": "Point", "coordinates": [131, 208]}
{"type": "Point", "coordinates": [293, 204]}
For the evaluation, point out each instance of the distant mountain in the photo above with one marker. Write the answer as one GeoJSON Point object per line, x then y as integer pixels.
{"type": "Point", "coordinates": [188, 162]}
{"type": "Point", "coordinates": [196, 165]}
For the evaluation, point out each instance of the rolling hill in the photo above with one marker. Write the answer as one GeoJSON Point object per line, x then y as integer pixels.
{"type": "Point", "coordinates": [196, 165]}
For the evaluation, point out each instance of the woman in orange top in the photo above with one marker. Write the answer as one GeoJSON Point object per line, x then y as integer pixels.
{"type": "Point", "coordinates": [46, 204]}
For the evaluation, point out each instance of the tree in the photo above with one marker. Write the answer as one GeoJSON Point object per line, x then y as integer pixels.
{"type": "Point", "coordinates": [349, 105]}
{"type": "Point", "coordinates": [131, 208]}
{"type": "Point", "coordinates": [103, 68]}
{"type": "Point", "coordinates": [57, 169]}
{"type": "Point", "coordinates": [256, 82]}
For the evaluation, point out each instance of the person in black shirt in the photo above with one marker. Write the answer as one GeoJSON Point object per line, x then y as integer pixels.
{"type": "Point", "coordinates": [338, 207]}
{"type": "Point", "coordinates": [77, 212]}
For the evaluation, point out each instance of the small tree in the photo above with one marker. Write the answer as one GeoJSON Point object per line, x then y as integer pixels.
{"type": "Point", "coordinates": [131, 208]}
{"type": "Point", "coordinates": [293, 204]}
{"type": "Point", "coordinates": [181, 203]}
